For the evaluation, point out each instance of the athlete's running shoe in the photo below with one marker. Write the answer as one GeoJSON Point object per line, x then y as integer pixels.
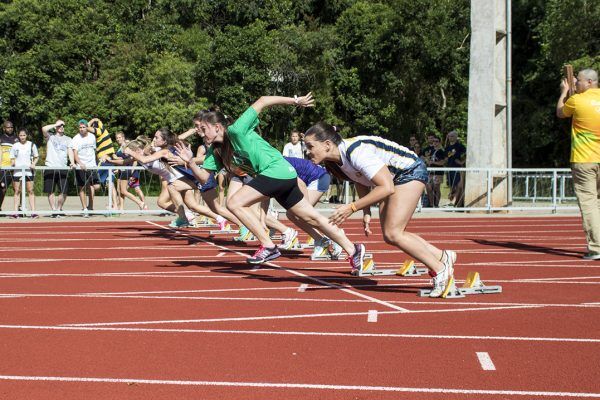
{"type": "Point", "coordinates": [180, 223]}
{"type": "Point", "coordinates": [357, 259]}
{"type": "Point", "coordinates": [321, 247]}
{"type": "Point", "coordinates": [449, 260]}
{"type": "Point", "coordinates": [287, 240]}
{"type": "Point", "coordinates": [335, 250]}
{"type": "Point", "coordinates": [244, 235]}
{"type": "Point", "coordinates": [442, 282]}
{"type": "Point", "coordinates": [264, 254]}
{"type": "Point", "coordinates": [223, 224]}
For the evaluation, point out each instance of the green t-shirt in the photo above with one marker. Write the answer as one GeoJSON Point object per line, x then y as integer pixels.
{"type": "Point", "coordinates": [251, 153]}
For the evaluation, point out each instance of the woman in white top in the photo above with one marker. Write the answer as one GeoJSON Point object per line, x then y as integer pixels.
{"type": "Point", "coordinates": [24, 154]}
{"type": "Point", "coordinates": [294, 147]}
{"type": "Point", "coordinates": [389, 174]}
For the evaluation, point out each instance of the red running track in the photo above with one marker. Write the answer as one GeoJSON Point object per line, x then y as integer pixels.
{"type": "Point", "coordinates": [114, 310]}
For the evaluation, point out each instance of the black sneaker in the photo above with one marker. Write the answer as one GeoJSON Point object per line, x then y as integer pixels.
{"type": "Point", "coordinates": [264, 254]}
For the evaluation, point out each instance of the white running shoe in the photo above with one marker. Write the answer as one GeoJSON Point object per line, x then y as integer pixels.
{"type": "Point", "coordinates": [287, 240]}
{"type": "Point", "coordinates": [321, 247]}
{"type": "Point", "coordinates": [442, 282]}
{"type": "Point", "coordinates": [335, 250]}
{"type": "Point", "coordinates": [449, 260]}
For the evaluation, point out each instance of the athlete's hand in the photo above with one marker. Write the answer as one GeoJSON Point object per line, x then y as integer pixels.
{"type": "Point", "coordinates": [305, 101]}
{"type": "Point", "coordinates": [340, 214]}
{"type": "Point", "coordinates": [173, 159]}
{"type": "Point", "coordinates": [184, 152]}
{"type": "Point", "coordinates": [366, 223]}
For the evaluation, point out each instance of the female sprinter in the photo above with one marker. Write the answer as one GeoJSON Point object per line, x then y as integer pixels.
{"type": "Point", "coordinates": [397, 177]}
{"type": "Point", "coordinates": [180, 188]}
{"type": "Point", "coordinates": [241, 146]}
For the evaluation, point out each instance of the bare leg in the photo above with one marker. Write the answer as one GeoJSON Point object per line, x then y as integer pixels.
{"type": "Point", "coordinates": [238, 204]}
{"type": "Point", "coordinates": [30, 195]}
{"type": "Point", "coordinates": [211, 199]}
{"type": "Point", "coordinates": [308, 214]}
{"type": "Point", "coordinates": [395, 212]}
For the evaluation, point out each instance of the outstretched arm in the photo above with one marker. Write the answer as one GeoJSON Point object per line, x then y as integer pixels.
{"type": "Point", "coordinates": [268, 101]}
{"type": "Point", "coordinates": [186, 154]}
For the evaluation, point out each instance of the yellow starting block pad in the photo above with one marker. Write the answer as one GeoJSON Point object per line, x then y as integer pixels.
{"type": "Point", "coordinates": [472, 285]}
{"type": "Point", "coordinates": [408, 268]}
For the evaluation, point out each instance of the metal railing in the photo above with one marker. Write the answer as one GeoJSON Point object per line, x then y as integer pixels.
{"type": "Point", "coordinates": [532, 189]}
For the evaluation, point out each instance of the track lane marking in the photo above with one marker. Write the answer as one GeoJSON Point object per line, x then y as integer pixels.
{"type": "Point", "coordinates": [558, 340]}
{"type": "Point", "coordinates": [320, 281]}
{"type": "Point", "coordinates": [276, 385]}
{"type": "Point", "coordinates": [486, 361]}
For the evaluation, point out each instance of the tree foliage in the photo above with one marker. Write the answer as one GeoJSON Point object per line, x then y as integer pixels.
{"type": "Point", "coordinates": [387, 67]}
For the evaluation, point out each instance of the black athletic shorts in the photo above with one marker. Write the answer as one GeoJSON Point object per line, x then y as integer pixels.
{"type": "Point", "coordinates": [285, 191]}
{"type": "Point", "coordinates": [85, 177]}
{"type": "Point", "coordinates": [55, 178]}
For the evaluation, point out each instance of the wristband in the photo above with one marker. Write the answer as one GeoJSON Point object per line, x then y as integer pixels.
{"type": "Point", "coordinates": [295, 99]}
{"type": "Point", "coordinates": [353, 207]}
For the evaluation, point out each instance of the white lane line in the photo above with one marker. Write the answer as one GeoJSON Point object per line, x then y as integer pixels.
{"type": "Point", "coordinates": [221, 254]}
{"type": "Point", "coordinates": [486, 361]}
{"type": "Point", "coordinates": [303, 288]}
{"type": "Point", "coordinates": [300, 386]}
{"type": "Point", "coordinates": [274, 317]}
{"type": "Point", "coordinates": [114, 259]}
{"type": "Point", "coordinates": [372, 317]}
{"type": "Point", "coordinates": [320, 281]}
{"type": "Point", "coordinates": [558, 340]}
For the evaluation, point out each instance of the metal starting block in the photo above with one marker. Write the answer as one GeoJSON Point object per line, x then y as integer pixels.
{"type": "Point", "coordinates": [203, 225]}
{"type": "Point", "coordinates": [250, 238]}
{"type": "Point", "coordinates": [310, 244]}
{"type": "Point", "coordinates": [227, 230]}
{"type": "Point", "coordinates": [408, 268]}
{"type": "Point", "coordinates": [472, 285]}
{"type": "Point", "coordinates": [327, 256]}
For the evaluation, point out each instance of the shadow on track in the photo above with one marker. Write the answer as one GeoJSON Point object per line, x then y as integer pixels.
{"type": "Point", "coordinates": [528, 247]}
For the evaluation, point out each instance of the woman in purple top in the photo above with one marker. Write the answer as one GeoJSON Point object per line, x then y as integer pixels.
{"type": "Point", "coordinates": [313, 181]}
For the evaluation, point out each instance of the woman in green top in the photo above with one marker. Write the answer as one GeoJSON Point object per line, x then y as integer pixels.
{"type": "Point", "coordinates": [238, 146]}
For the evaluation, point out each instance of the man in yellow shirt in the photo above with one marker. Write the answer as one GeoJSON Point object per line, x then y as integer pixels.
{"type": "Point", "coordinates": [584, 108]}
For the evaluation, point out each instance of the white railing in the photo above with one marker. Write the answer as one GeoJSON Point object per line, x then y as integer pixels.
{"type": "Point", "coordinates": [532, 189]}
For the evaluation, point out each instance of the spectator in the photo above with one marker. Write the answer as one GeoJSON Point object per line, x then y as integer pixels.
{"type": "Point", "coordinates": [7, 140]}
{"type": "Point", "coordinates": [24, 154]}
{"type": "Point", "coordinates": [105, 152]}
{"type": "Point", "coordinates": [57, 155]}
{"type": "Point", "coordinates": [456, 153]}
{"type": "Point", "coordinates": [584, 108]}
{"type": "Point", "coordinates": [437, 158]}
{"type": "Point", "coordinates": [294, 147]}
{"type": "Point", "coordinates": [412, 142]}
{"type": "Point", "coordinates": [84, 155]}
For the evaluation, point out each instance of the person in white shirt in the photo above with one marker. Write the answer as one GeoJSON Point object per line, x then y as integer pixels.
{"type": "Point", "coordinates": [387, 174]}
{"type": "Point", "coordinates": [57, 155]}
{"type": "Point", "coordinates": [24, 154]}
{"type": "Point", "coordinates": [294, 148]}
{"type": "Point", "coordinates": [84, 155]}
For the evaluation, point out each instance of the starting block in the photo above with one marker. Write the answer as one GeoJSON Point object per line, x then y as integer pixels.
{"type": "Point", "coordinates": [472, 285]}
{"type": "Point", "coordinates": [408, 268]}
{"type": "Point", "coordinates": [227, 230]}
{"type": "Point", "coordinates": [310, 243]}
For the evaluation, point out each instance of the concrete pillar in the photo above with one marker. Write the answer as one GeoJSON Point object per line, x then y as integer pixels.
{"type": "Point", "coordinates": [486, 129]}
